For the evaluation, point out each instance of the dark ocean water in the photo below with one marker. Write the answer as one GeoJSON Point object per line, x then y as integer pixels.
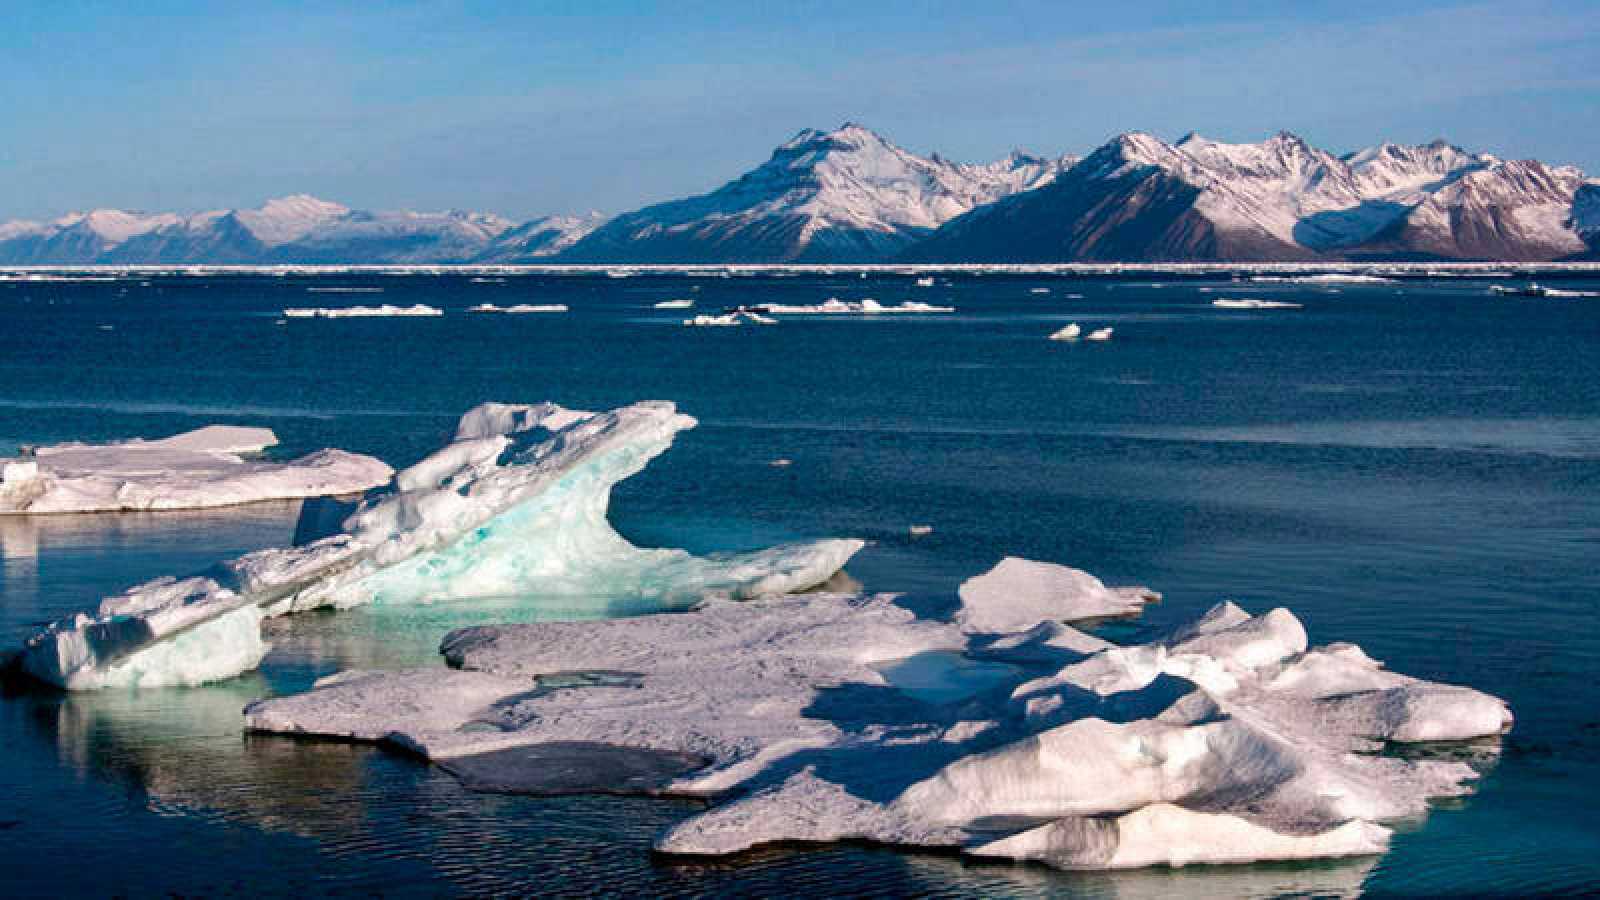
{"type": "Point", "coordinates": [1414, 467]}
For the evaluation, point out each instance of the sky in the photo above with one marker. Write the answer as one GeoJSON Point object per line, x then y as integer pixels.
{"type": "Point", "coordinates": [526, 109]}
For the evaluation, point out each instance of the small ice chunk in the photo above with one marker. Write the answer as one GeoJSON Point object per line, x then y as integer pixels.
{"type": "Point", "coordinates": [1018, 594]}
{"type": "Point", "coordinates": [1099, 334]}
{"type": "Point", "coordinates": [1069, 332]}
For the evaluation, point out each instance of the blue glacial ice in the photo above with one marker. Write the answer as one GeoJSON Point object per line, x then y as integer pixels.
{"type": "Point", "coordinates": [515, 504]}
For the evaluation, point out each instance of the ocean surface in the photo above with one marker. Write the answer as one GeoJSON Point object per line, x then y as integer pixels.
{"type": "Point", "coordinates": [1412, 466]}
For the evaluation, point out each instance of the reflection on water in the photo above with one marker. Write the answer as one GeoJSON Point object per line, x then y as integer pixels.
{"type": "Point", "coordinates": [152, 766]}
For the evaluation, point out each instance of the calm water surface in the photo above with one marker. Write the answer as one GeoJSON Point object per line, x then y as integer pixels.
{"type": "Point", "coordinates": [1414, 467]}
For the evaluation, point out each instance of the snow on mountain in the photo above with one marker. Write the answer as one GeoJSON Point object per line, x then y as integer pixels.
{"type": "Point", "coordinates": [294, 229]}
{"type": "Point", "coordinates": [1395, 170]}
{"type": "Point", "coordinates": [395, 237]}
{"type": "Point", "coordinates": [18, 228]}
{"type": "Point", "coordinates": [843, 195]}
{"type": "Point", "coordinates": [1510, 210]}
{"type": "Point", "coordinates": [1135, 198]}
{"type": "Point", "coordinates": [290, 218]}
{"type": "Point", "coordinates": [540, 238]}
{"type": "Point", "coordinates": [1140, 198]}
{"type": "Point", "coordinates": [849, 195]}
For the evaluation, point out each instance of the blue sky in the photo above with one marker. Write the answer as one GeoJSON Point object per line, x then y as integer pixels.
{"type": "Point", "coordinates": [527, 108]}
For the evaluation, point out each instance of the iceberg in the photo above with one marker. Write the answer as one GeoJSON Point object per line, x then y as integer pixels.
{"type": "Point", "coordinates": [1226, 740]}
{"type": "Point", "coordinates": [360, 312]}
{"type": "Point", "coordinates": [516, 503]}
{"type": "Point", "coordinates": [203, 468]}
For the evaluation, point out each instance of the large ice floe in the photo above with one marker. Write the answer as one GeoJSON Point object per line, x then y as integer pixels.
{"type": "Point", "coordinates": [207, 467]}
{"type": "Point", "coordinates": [999, 731]}
{"type": "Point", "coordinates": [515, 504]}
{"type": "Point", "coordinates": [361, 312]}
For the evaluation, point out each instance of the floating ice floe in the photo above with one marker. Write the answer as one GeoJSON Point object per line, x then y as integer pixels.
{"type": "Point", "coordinates": [1019, 593]}
{"type": "Point", "coordinates": [519, 308]}
{"type": "Point", "coordinates": [515, 504]}
{"type": "Point", "coordinates": [865, 307]}
{"type": "Point", "coordinates": [360, 312]}
{"type": "Point", "coordinates": [728, 320]}
{"type": "Point", "coordinates": [1040, 290]}
{"type": "Point", "coordinates": [675, 304]}
{"type": "Point", "coordinates": [1005, 733]}
{"type": "Point", "coordinates": [926, 281]}
{"type": "Point", "coordinates": [344, 290]}
{"type": "Point", "coordinates": [203, 468]}
{"type": "Point", "coordinates": [1068, 332]}
{"type": "Point", "coordinates": [1099, 334]}
{"type": "Point", "coordinates": [1252, 303]}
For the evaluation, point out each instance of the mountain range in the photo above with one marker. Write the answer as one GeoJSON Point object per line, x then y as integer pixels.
{"type": "Point", "coordinates": [850, 195]}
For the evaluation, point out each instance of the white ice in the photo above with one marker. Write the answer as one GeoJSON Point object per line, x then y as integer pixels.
{"type": "Point", "coordinates": [361, 312]}
{"type": "Point", "coordinates": [1253, 303]}
{"type": "Point", "coordinates": [1227, 740]}
{"type": "Point", "coordinates": [519, 308]}
{"type": "Point", "coordinates": [675, 304]}
{"type": "Point", "coordinates": [515, 505]}
{"type": "Point", "coordinates": [203, 468]}
{"type": "Point", "coordinates": [1099, 334]}
{"type": "Point", "coordinates": [864, 307]}
{"type": "Point", "coordinates": [728, 320]}
{"type": "Point", "coordinates": [1019, 593]}
{"type": "Point", "coordinates": [1069, 332]}
{"type": "Point", "coordinates": [1326, 278]}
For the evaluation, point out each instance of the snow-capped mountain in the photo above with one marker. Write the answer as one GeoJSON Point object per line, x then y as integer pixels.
{"type": "Point", "coordinates": [295, 229]}
{"type": "Point", "coordinates": [849, 195]}
{"type": "Point", "coordinates": [538, 239]}
{"type": "Point", "coordinates": [1139, 198]}
{"type": "Point", "coordinates": [1514, 209]}
{"type": "Point", "coordinates": [843, 195]}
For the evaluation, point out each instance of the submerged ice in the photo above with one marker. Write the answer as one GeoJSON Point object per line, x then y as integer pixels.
{"type": "Point", "coordinates": [1227, 740]}
{"type": "Point", "coordinates": [516, 503]}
